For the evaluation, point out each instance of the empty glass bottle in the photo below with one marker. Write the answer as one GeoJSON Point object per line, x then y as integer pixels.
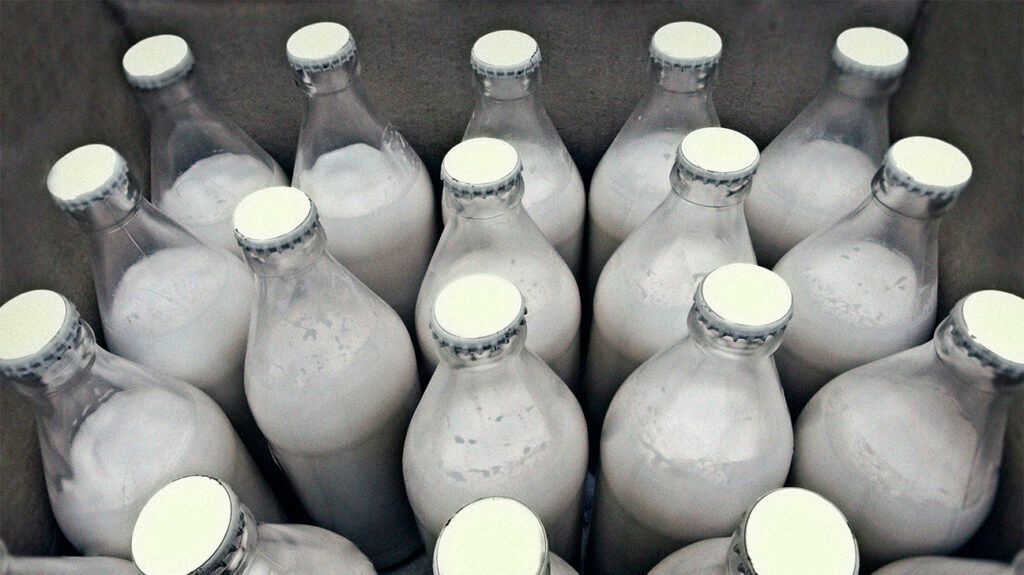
{"type": "Point", "coordinates": [787, 531]}
{"type": "Point", "coordinates": [699, 431]}
{"type": "Point", "coordinates": [330, 377]}
{"type": "Point", "coordinates": [167, 300]}
{"type": "Point", "coordinates": [201, 162]}
{"type": "Point", "coordinates": [491, 232]}
{"type": "Point", "coordinates": [507, 73]}
{"type": "Point", "coordinates": [495, 419]}
{"type": "Point", "coordinates": [374, 195]}
{"type": "Point", "coordinates": [10, 565]}
{"type": "Point", "coordinates": [499, 536]}
{"type": "Point", "coordinates": [817, 170]}
{"type": "Point", "coordinates": [909, 446]}
{"type": "Point", "coordinates": [629, 182]}
{"type": "Point", "coordinates": [952, 566]}
{"type": "Point", "coordinates": [646, 289]}
{"type": "Point", "coordinates": [111, 432]}
{"type": "Point", "coordinates": [196, 525]}
{"type": "Point", "coordinates": [865, 287]}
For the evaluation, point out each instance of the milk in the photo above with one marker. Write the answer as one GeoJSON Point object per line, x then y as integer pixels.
{"type": "Point", "coordinates": [204, 196]}
{"type": "Point", "coordinates": [287, 549]}
{"type": "Point", "coordinates": [708, 557]}
{"type": "Point", "coordinates": [67, 566]}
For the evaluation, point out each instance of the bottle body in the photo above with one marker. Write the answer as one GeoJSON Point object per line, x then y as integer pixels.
{"type": "Point", "coordinates": [509, 245]}
{"type": "Point", "coordinates": [908, 486]}
{"type": "Point", "coordinates": [133, 431]}
{"type": "Point", "coordinates": [632, 178]}
{"type": "Point", "coordinates": [683, 456]}
{"type": "Point", "coordinates": [287, 549]}
{"type": "Point", "coordinates": [945, 566]}
{"type": "Point", "coordinates": [509, 428]}
{"type": "Point", "coordinates": [66, 566]}
{"type": "Point", "coordinates": [325, 349]}
{"type": "Point", "coordinates": [708, 557]}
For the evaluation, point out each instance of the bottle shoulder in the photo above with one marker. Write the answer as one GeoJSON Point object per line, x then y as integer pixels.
{"type": "Point", "coordinates": [945, 566]}
{"type": "Point", "coordinates": [708, 557]}
{"type": "Point", "coordinates": [285, 549]}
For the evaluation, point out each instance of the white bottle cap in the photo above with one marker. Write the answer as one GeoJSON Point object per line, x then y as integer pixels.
{"type": "Point", "coordinates": [496, 536]}
{"type": "Point", "coordinates": [157, 61]}
{"type": "Point", "coordinates": [744, 301]}
{"type": "Point", "coordinates": [928, 166]}
{"type": "Point", "coordinates": [481, 167]}
{"type": "Point", "coordinates": [273, 219]}
{"type": "Point", "coordinates": [505, 53]}
{"type": "Point", "coordinates": [871, 52]}
{"type": "Point", "coordinates": [186, 527]}
{"type": "Point", "coordinates": [990, 324]}
{"type": "Point", "coordinates": [36, 329]}
{"type": "Point", "coordinates": [718, 155]}
{"type": "Point", "coordinates": [793, 530]}
{"type": "Point", "coordinates": [477, 312]}
{"type": "Point", "coordinates": [686, 45]}
{"type": "Point", "coordinates": [87, 174]}
{"type": "Point", "coordinates": [320, 46]}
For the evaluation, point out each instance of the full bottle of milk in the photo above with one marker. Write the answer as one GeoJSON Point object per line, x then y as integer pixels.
{"type": "Point", "coordinates": [498, 536]}
{"type": "Point", "coordinates": [11, 565]}
{"type": "Point", "coordinates": [374, 195]}
{"type": "Point", "coordinates": [816, 170]}
{"type": "Point", "coordinates": [330, 376]}
{"type": "Point", "coordinates": [646, 289]}
{"type": "Point", "coordinates": [787, 531]}
{"type": "Point", "coordinates": [952, 566]}
{"type": "Point", "coordinates": [630, 182]}
{"type": "Point", "coordinates": [167, 300]}
{"type": "Point", "coordinates": [699, 431]}
{"type": "Point", "coordinates": [196, 525]}
{"type": "Point", "coordinates": [507, 73]}
{"type": "Point", "coordinates": [495, 419]}
{"type": "Point", "coordinates": [112, 432]}
{"type": "Point", "coordinates": [201, 162]}
{"type": "Point", "coordinates": [489, 231]}
{"type": "Point", "coordinates": [865, 287]}
{"type": "Point", "coordinates": [909, 446]}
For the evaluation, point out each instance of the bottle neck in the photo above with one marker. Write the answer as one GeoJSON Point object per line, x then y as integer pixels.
{"type": "Point", "coordinates": [507, 89]}
{"type": "Point", "coordinates": [240, 557]}
{"type": "Point", "coordinates": [896, 195]}
{"type": "Point", "coordinates": [724, 342]}
{"type": "Point", "coordinates": [489, 358]}
{"type": "Point", "coordinates": [170, 99]}
{"type": "Point", "coordinates": [708, 194]}
{"type": "Point", "coordinates": [848, 84]}
{"type": "Point", "coordinates": [298, 258]}
{"type": "Point", "coordinates": [952, 351]}
{"type": "Point", "coordinates": [340, 81]}
{"type": "Point", "coordinates": [488, 206]}
{"type": "Point", "coordinates": [65, 373]}
{"type": "Point", "coordinates": [675, 80]}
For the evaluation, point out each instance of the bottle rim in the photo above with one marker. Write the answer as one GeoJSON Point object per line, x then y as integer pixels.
{"type": "Point", "coordinates": [718, 155]}
{"type": "Point", "coordinates": [744, 302]}
{"type": "Point", "coordinates": [501, 531]}
{"type": "Point", "coordinates": [505, 54]}
{"type": "Point", "coordinates": [274, 219]}
{"type": "Point", "coordinates": [686, 45]}
{"type": "Point", "coordinates": [477, 312]}
{"type": "Point", "coordinates": [36, 329]}
{"type": "Point", "coordinates": [157, 61]}
{"type": "Point", "coordinates": [871, 52]}
{"type": "Point", "coordinates": [928, 166]}
{"type": "Point", "coordinates": [87, 174]}
{"type": "Point", "coordinates": [989, 325]}
{"type": "Point", "coordinates": [320, 46]}
{"type": "Point", "coordinates": [481, 167]}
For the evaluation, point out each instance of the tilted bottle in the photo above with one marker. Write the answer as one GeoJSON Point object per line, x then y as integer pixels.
{"type": "Point", "coordinates": [816, 170]}
{"type": "Point", "coordinates": [699, 431]}
{"type": "Point", "coordinates": [201, 163]}
{"type": "Point", "coordinates": [111, 432]}
{"type": "Point", "coordinates": [507, 78]}
{"type": "Point", "coordinates": [490, 232]}
{"type": "Point", "coordinates": [865, 287]}
{"type": "Point", "coordinates": [22, 565]}
{"type": "Point", "coordinates": [629, 182]}
{"type": "Point", "coordinates": [498, 536]}
{"type": "Point", "coordinates": [646, 289]}
{"type": "Point", "coordinates": [374, 195]}
{"type": "Point", "coordinates": [952, 566]}
{"type": "Point", "coordinates": [330, 377]}
{"type": "Point", "coordinates": [167, 300]}
{"type": "Point", "coordinates": [495, 419]}
{"type": "Point", "coordinates": [196, 525]}
{"type": "Point", "coordinates": [909, 446]}
{"type": "Point", "coordinates": [787, 531]}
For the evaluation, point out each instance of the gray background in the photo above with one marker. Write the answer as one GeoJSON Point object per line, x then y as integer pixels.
{"type": "Point", "coordinates": [61, 86]}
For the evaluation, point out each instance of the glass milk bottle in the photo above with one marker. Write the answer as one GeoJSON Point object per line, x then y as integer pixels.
{"type": "Point", "coordinates": [952, 566]}
{"type": "Point", "coordinates": [196, 525]}
{"type": "Point", "coordinates": [330, 377]}
{"type": "Point", "coordinates": [699, 431]}
{"type": "Point", "coordinates": [495, 419]}
{"type": "Point", "coordinates": [111, 431]}
{"type": "Point", "coordinates": [507, 76]}
{"type": "Point", "coordinates": [817, 169]}
{"type": "Point", "coordinates": [496, 535]}
{"type": "Point", "coordinates": [10, 565]}
{"type": "Point", "coordinates": [201, 162]}
{"type": "Point", "coordinates": [786, 532]}
{"type": "Point", "coordinates": [167, 300]}
{"type": "Point", "coordinates": [646, 289]}
{"type": "Point", "coordinates": [865, 287]}
{"type": "Point", "coordinates": [491, 232]}
{"type": "Point", "coordinates": [374, 195]}
{"type": "Point", "coordinates": [629, 182]}
{"type": "Point", "coordinates": [909, 446]}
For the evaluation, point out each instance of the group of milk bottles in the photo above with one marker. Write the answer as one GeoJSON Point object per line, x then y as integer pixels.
{"type": "Point", "coordinates": [694, 354]}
